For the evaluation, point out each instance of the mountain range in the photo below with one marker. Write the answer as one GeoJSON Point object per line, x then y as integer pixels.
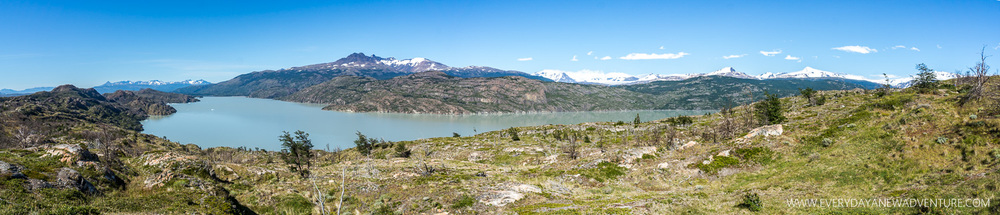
{"type": "Point", "coordinates": [594, 77]}
{"type": "Point", "coordinates": [284, 82]}
{"type": "Point", "coordinates": [110, 87]}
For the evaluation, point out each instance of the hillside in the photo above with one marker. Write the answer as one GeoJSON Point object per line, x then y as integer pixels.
{"type": "Point", "coordinates": [713, 92]}
{"type": "Point", "coordinates": [284, 82]}
{"type": "Point", "coordinates": [437, 92]}
{"type": "Point", "coordinates": [858, 145]}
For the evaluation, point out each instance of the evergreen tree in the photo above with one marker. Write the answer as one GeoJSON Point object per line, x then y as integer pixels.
{"type": "Point", "coordinates": [636, 121]}
{"type": "Point", "coordinates": [769, 111]}
{"type": "Point", "coordinates": [925, 79]}
{"type": "Point", "coordinates": [295, 151]}
{"type": "Point", "coordinates": [363, 144]}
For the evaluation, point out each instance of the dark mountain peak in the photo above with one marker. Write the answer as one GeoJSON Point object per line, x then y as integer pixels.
{"type": "Point", "coordinates": [359, 58]}
{"type": "Point", "coordinates": [82, 92]}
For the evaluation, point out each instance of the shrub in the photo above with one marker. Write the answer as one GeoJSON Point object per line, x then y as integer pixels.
{"type": "Point", "coordinates": [718, 162]}
{"type": "Point", "coordinates": [463, 201]}
{"type": "Point", "coordinates": [760, 155]}
{"type": "Point", "coordinates": [455, 134]}
{"type": "Point", "coordinates": [827, 142]}
{"type": "Point", "coordinates": [751, 201]}
{"type": "Point", "coordinates": [402, 151]}
{"type": "Point", "coordinates": [513, 134]}
{"type": "Point", "coordinates": [605, 171]}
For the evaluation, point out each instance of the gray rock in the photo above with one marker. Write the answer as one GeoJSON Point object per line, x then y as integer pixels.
{"type": "Point", "coordinates": [69, 178]}
{"type": "Point", "coordinates": [13, 170]}
{"type": "Point", "coordinates": [35, 184]}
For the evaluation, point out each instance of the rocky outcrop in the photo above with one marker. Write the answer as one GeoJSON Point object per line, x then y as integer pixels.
{"type": "Point", "coordinates": [10, 170]}
{"type": "Point", "coordinates": [768, 130]}
{"type": "Point", "coordinates": [70, 178]}
{"type": "Point", "coordinates": [70, 154]}
{"type": "Point", "coordinates": [506, 194]}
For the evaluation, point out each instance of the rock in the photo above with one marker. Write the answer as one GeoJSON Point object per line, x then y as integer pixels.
{"type": "Point", "coordinates": [162, 159]}
{"type": "Point", "coordinates": [688, 144]}
{"type": "Point", "coordinates": [35, 184]}
{"type": "Point", "coordinates": [507, 194]}
{"type": "Point", "coordinates": [70, 178]}
{"type": "Point", "coordinates": [724, 153]}
{"type": "Point", "coordinates": [768, 130]}
{"type": "Point", "coordinates": [633, 154]}
{"type": "Point", "coordinates": [70, 153]}
{"type": "Point", "coordinates": [475, 156]}
{"type": "Point", "coordinates": [12, 170]}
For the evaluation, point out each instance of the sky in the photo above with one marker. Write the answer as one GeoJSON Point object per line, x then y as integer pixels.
{"type": "Point", "coordinates": [87, 43]}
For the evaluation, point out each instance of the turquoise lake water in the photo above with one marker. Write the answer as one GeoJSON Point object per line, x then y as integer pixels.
{"type": "Point", "coordinates": [256, 123]}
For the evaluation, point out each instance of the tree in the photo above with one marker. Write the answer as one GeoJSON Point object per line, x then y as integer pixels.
{"type": "Point", "coordinates": [295, 151]}
{"type": "Point", "coordinates": [636, 121]}
{"type": "Point", "coordinates": [979, 75]}
{"type": "Point", "coordinates": [769, 111]}
{"type": "Point", "coordinates": [513, 134]}
{"type": "Point", "coordinates": [455, 134]}
{"type": "Point", "coordinates": [925, 79]}
{"type": "Point", "coordinates": [402, 151]}
{"type": "Point", "coordinates": [363, 144]}
{"type": "Point", "coordinates": [808, 94]}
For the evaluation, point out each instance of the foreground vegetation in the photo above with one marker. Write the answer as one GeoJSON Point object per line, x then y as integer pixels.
{"type": "Point", "coordinates": [934, 141]}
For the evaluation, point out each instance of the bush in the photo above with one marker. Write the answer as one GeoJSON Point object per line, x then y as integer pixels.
{"type": "Point", "coordinates": [463, 201]}
{"type": "Point", "coordinates": [402, 151]}
{"type": "Point", "coordinates": [751, 201]}
{"type": "Point", "coordinates": [680, 120]}
{"type": "Point", "coordinates": [760, 155]}
{"type": "Point", "coordinates": [513, 134]}
{"type": "Point", "coordinates": [605, 171]}
{"type": "Point", "coordinates": [718, 162]}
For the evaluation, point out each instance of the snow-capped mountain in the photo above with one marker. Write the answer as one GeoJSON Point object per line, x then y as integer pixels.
{"type": "Point", "coordinates": [810, 72]}
{"type": "Point", "coordinates": [588, 77]}
{"type": "Point", "coordinates": [727, 72]}
{"type": "Point", "coordinates": [614, 78]}
{"type": "Point", "coordinates": [379, 67]}
{"type": "Point", "coordinates": [155, 82]}
{"type": "Point", "coordinates": [165, 86]}
{"type": "Point", "coordinates": [555, 75]}
{"type": "Point", "coordinates": [905, 82]}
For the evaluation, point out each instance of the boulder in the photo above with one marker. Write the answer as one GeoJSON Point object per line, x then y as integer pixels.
{"type": "Point", "coordinates": [70, 178]}
{"type": "Point", "coordinates": [35, 184]}
{"type": "Point", "coordinates": [688, 145]}
{"type": "Point", "coordinates": [12, 170]}
{"type": "Point", "coordinates": [506, 194]}
{"type": "Point", "coordinates": [768, 130]}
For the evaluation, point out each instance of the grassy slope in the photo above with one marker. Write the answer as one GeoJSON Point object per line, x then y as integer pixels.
{"type": "Point", "coordinates": [879, 147]}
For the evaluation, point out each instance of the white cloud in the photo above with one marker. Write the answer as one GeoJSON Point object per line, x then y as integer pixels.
{"type": "Point", "coordinates": [606, 58]}
{"type": "Point", "coordinates": [789, 57]}
{"type": "Point", "coordinates": [525, 59]}
{"type": "Point", "coordinates": [590, 53]}
{"type": "Point", "coordinates": [644, 56]}
{"type": "Point", "coordinates": [770, 53]}
{"type": "Point", "coordinates": [574, 58]}
{"type": "Point", "coordinates": [661, 47]}
{"type": "Point", "coordinates": [898, 47]}
{"type": "Point", "coordinates": [733, 56]}
{"type": "Point", "coordinates": [939, 46]}
{"type": "Point", "coordinates": [914, 49]}
{"type": "Point", "coordinates": [856, 49]}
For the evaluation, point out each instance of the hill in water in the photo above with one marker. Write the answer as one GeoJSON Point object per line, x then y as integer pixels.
{"type": "Point", "coordinates": [437, 92]}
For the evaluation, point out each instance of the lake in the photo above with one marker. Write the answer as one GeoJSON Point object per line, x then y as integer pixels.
{"type": "Point", "coordinates": [256, 123]}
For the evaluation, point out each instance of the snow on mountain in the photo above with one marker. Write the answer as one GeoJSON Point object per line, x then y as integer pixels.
{"type": "Point", "coordinates": [905, 82]}
{"type": "Point", "coordinates": [156, 83]}
{"type": "Point", "coordinates": [807, 72]}
{"type": "Point", "coordinates": [555, 75]}
{"type": "Point", "coordinates": [726, 72]}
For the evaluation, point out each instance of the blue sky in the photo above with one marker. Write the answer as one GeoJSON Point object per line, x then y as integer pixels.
{"type": "Point", "coordinates": [87, 43]}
